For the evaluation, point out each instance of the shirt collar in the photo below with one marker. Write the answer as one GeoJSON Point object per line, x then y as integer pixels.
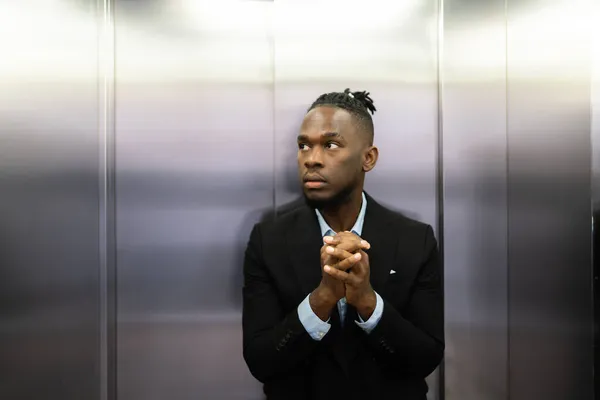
{"type": "Point", "coordinates": [358, 225]}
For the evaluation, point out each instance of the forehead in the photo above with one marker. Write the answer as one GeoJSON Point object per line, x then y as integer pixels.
{"type": "Point", "coordinates": [325, 119]}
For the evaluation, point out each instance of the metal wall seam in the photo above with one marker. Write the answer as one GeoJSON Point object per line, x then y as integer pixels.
{"type": "Point", "coordinates": [107, 217]}
{"type": "Point", "coordinates": [441, 389]}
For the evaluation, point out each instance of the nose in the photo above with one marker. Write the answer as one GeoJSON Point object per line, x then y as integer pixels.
{"type": "Point", "coordinates": [313, 158]}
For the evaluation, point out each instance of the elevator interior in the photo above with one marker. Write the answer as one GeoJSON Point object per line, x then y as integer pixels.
{"type": "Point", "coordinates": [141, 139]}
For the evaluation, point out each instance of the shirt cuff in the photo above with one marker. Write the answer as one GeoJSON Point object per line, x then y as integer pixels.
{"type": "Point", "coordinates": [315, 327]}
{"type": "Point", "coordinates": [373, 320]}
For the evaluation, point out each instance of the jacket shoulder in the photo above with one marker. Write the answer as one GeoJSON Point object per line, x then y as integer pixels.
{"type": "Point", "coordinates": [399, 218]}
{"type": "Point", "coordinates": [416, 239]}
{"type": "Point", "coordinates": [276, 221]}
{"type": "Point", "coordinates": [405, 225]}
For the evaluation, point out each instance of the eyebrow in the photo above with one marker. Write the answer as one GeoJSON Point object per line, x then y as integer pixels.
{"type": "Point", "coordinates": [302, 138]}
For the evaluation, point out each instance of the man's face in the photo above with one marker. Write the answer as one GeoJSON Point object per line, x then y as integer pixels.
{"type": "Point", "coordinates": [330, 156]}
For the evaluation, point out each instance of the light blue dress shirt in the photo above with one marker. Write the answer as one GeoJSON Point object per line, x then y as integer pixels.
{"type": "Point", "coordinates": [318, 328]}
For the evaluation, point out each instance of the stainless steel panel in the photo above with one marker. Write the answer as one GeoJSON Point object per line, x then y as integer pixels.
{"type": "Point", "coordinates": [474, 148]}
{"type": "Point", "coordinates": [595, 149]}
{"type": "Point", "coordinates": [194, 159]}
{"type": "Point", "coordinates": [388, 49]}
{"type": "Point", "coordinates": [550, 302]}
{"type": "Point", "coordinates": [49, 285]}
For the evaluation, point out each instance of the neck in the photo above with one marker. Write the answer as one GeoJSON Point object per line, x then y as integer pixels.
{"type": "Point", "coordinates": [343, 216]}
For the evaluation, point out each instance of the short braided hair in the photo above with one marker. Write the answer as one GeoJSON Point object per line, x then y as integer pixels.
{"type": "Point", "coordinates": [359, 104]}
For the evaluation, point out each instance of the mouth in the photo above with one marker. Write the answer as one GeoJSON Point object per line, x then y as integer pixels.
{"type": "Point", "coordinates": [313, 181]}
{"type": "Point", "coordinates": [314, 184]}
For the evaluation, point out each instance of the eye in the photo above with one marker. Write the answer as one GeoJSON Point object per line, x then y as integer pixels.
{"type": "Point", "coordinates": [302, 146]}
{"type": "Point", "coordinates": [331, 145]}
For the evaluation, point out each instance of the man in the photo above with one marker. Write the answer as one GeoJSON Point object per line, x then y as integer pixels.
{"type": "Point", "coordinates": [342, 297]}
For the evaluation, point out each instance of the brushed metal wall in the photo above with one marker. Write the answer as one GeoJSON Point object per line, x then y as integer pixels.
{"type": "Point", "coordinates": [194, 169]}
{"type": "Point", "coordinates": [484, 127]}
{"type": "Point", "coordinates": [595, 149]}
{"type": "Point", "coordinates": [516, 161]}
{"type": "Point", "coordinates": [474, 151]}
{"type": "Point", "coordinates": [549, 174]}
{"type": "Point", "coordinates": [49, 199]}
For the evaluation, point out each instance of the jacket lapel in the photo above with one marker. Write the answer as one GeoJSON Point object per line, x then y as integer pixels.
{"type": "Point", "coordinates": [304, 243]}
{"type": "Point", "coordinates": [382, 256]}
{"type": "Point", "coordinates": [383, 242]}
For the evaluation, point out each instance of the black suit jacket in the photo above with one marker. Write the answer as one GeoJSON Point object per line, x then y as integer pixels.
{"type": "Point", "coordinates": [282, 266]}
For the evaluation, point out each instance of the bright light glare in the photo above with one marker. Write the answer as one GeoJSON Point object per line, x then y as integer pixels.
{"type": "Point", "coordinates": [307, 39]}
{"type": "Point", "coordinates": [551, 42]}
{"type": "Point", "coordinates": [313, 18]}
{"type": "Point", "coordinates": [313, 38]}
{"type": "Point", "coordinates": [596, 47]}
{"type": "Point", "coordinates": [42, 39]}
{"type": "Point", "coordinates": [238, 18]}
{"type": "Point", "coordinates": [352, 40]}
{"type": "Point", "coordinates": [307, 18]}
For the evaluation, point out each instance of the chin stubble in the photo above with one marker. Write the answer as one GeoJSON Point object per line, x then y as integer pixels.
{"type": "Point", "coordinates": [341, 197]}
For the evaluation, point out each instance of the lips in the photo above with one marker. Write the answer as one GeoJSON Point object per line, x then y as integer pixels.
{"type": "Point", "coordinates": [314, 184]}
{"type": "Point", "coordinates": [314, 178]}
{"type": "Point", "coordinates": [314, 181]}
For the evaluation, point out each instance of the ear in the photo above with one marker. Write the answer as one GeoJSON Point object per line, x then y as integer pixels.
{"type": "Point", "coordinates": [370, 158]}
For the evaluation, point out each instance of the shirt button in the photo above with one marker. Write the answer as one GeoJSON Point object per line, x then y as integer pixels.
{"type": "Point", "coordinates": [320, 334]}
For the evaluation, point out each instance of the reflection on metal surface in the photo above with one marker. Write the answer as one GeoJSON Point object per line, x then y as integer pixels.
{"type": "Point", "coordinates": [549, 167]}
{"type": "Point", "coordinates": [56, 43]}
{"type": "Point", "coordinates": [595, 150]}
{"type": "Point", "coordinates": [516, 164]}
{"type": "Point", "coordinates": [475, 209]}
{"type": "Point", "coordinates": [49, 286]}
{"type": "Point", "coordinates": [194, 171]}
{"type": "Point", "coordinates": [206, 42]}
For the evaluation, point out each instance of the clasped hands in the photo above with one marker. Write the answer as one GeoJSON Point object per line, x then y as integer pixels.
{"type": "Point", "coordinates": [346, 272]}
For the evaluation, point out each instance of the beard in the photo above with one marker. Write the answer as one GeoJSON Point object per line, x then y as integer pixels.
{"type": "Point", "coordinates": [339, 198]}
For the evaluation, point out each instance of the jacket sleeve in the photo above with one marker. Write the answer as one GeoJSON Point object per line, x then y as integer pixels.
{"type": "Point", "coordinates": [412, 342]}
{"type": "Point", "coordinates": [273, 342]}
